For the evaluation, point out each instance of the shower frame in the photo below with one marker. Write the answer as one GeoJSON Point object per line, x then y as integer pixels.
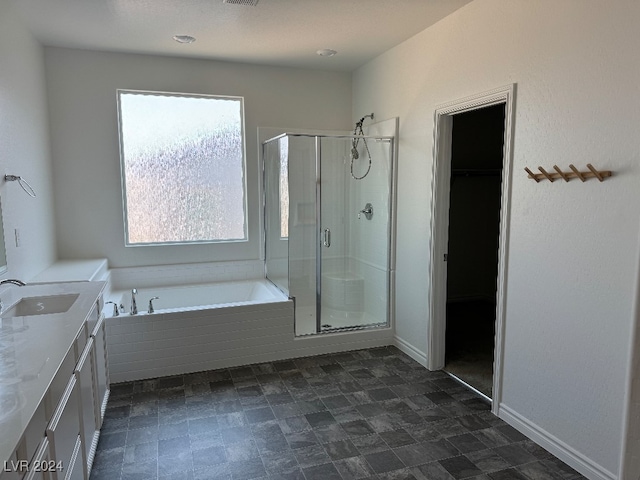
{"type": "Point", "coordinates": [390, 238]}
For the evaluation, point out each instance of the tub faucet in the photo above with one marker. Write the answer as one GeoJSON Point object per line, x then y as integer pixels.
{"type": "Point", "coordinates": [13, 281]}
{"type": "Point", "coordinates": [115, 308]}
{"type": "Point", "coordinates": [134, 307]}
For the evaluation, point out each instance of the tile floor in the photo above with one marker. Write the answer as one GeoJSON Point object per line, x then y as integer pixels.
{"type": "Point", "coordinates": [367, 414]}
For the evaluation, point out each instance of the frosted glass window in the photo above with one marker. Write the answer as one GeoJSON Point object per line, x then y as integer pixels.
{"type": "Point", "coordinates": [182, 160]}
{"type": "Point", "coordinates": [284, 187]}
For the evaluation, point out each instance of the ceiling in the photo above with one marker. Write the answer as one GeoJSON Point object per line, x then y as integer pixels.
{"type": "Point", "coordinates": [274, 32]}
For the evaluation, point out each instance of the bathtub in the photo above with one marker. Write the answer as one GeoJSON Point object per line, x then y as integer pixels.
{"type": "Point", "coordinates": [198, 297]}
{"type": "Point", "coordinates": [197, 327]}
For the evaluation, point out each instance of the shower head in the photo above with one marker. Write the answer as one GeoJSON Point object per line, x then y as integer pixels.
{"type": "Point", "coordinates": [366, 116]}
{"type": "Point", "coordinates": [360, 122]}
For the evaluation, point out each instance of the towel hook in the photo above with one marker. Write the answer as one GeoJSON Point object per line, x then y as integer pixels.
{"type": "Point", "coordinates": [22, 182]}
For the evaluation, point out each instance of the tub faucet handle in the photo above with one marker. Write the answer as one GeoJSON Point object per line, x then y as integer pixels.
{"type": "Point", "coordinates": [151, 310]}
{"type": "Point", "coordinates": [134, 306]}
{"type": "Point", "coordinates": [116, 312]}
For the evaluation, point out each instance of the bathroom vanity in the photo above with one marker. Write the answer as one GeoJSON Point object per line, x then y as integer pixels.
{"type": "Point", "coordinates": [54, 380]}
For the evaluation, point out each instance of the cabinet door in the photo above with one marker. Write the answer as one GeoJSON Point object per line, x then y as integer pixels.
{"type": "Point", "coordinates": [85, 376]}
{"type": "Point", "coordinates": [102, 370]}
{"type": "Point", "coordinates": [75, 471]}
{"type": "Point", "coordinates": [41, 465]}
{"type": "Point", "coordinates": [11, 470]}
{"type": "Point", "coordinates": [64, 428]}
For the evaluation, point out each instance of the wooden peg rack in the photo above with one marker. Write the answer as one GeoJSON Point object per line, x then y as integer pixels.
{"type": "Point", "coordinates": [566, 176]}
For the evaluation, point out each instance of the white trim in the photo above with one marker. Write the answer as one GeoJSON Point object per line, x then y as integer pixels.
{"type": "Point", "coordinates": [413, 352]}
{"type": "Point", "coordinates": [557, 447]}
{"type": "Point", "coordinates": [629, 466]}
{"type": "Point", "coordinates": [443, 122]}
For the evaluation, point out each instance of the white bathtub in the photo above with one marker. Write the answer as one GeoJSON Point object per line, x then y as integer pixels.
{"type": "Point", "coordinates": [198, 297]}
{"type": "Point", "coordinates": [197, 327]}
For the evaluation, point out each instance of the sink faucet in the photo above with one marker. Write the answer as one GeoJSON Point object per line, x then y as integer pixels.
{"type": "Point", "coordinates": [134, 307]}
{"type": "Point", "coordinates": [13, 281]}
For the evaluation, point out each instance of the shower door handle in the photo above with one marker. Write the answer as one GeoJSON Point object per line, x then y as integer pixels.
{"type": "Point", "coordinates": [326, 241]}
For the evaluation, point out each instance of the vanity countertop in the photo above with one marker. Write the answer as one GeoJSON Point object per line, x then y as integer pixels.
{"type": "Point", "coordinates": [31, 351]}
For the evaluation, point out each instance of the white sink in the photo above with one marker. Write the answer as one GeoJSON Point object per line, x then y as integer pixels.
{"type": "Point", "coordinates": [42, 305]}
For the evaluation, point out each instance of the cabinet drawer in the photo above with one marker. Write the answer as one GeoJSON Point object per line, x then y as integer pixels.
{"type": "Point", "coordinates": [59, 383]}
{"type": "Point", "coordinates": [32, 436]}
{"type": "Point", "coordinates": [81, 340]}
{"type": "Point", "coordinates": [93, 317]}
{"type": "Point", "coordinates": [64, 428]}
{"type": "Point", "coordinates": [42, 467]}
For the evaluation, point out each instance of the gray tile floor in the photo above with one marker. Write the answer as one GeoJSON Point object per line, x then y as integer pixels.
{"type": "Point", "coordinates": [368, 414]}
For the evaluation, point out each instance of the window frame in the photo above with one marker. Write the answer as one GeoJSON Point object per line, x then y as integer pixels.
{"type": "Point", "coordinates": [151, 93]}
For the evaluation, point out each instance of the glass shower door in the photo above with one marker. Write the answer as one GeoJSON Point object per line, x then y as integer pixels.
{"type": "Point", "coordinates": [354, 233]}
{"type": "Point", "coordinates": [328, 229]}
{"type": "Point", "coordinates": [335, 297]}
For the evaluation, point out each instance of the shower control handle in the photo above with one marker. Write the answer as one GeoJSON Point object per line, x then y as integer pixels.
{"type": "Point", "coordinates": [367, 210]}
{"type": "Point", "coordinates": [327, 238]}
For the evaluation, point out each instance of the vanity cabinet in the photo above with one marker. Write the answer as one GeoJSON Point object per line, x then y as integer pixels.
{"type": "Point", "coordinates": [60, 440]}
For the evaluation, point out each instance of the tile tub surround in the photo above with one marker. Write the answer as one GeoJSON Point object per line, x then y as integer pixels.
{"type": "Point", "coordinates": [31, 351]}
{"type": "Point", "coordinates": [371, 413]}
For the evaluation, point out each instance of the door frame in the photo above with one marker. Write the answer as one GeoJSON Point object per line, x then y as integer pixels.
{"type": "Point", "coordinates": [443, 129]}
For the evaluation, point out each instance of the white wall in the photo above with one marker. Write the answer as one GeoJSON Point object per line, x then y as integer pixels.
{"type": "Point", "coordinates": [82, 97]}
{"type": "Point", "coordinates": [571, 283]}
{"type": "Point", "coordinates": [24, 150]}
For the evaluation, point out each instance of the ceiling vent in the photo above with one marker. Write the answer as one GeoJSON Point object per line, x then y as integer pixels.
{"type": "Point", "coordinates": [248, 3]}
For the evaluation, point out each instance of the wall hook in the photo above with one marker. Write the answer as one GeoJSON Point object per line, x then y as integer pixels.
{"type": "Point", "coordinates": [566, 176]}
{"type": "Point", "coordinates": [22, 182]}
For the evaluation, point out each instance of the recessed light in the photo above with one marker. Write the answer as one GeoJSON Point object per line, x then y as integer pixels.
{"type": "Point", "coordinates": [326, 52]}
{"type": "Point", "coordinates": [184, 38]}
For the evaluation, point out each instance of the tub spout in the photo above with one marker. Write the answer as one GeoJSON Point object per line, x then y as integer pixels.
{"type": "Point", "coordinates": [13, 281]}
{"type": "Point", "coordinates": [134, 307]}
{"type": "Point", "coordinates": [115, 308]}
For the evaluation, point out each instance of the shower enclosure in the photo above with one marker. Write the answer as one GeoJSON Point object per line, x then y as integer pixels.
{"type": "Point", "coordinates": [328, 220]}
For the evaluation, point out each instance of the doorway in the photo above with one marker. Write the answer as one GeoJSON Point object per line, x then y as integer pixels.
{"type": "Point", "coordinates": [471, 204]}
{"type": "Point", "coordinates": [475, 195]}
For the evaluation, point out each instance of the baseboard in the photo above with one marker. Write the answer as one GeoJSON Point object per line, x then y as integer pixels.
{"type": "Point", "coordinates": [557, 447]}
{"type": "Point", "coordinates": [410, 350]}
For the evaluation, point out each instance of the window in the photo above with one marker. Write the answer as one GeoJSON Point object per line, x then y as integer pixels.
{"type": "Point", "coordinates": [182, 161]}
